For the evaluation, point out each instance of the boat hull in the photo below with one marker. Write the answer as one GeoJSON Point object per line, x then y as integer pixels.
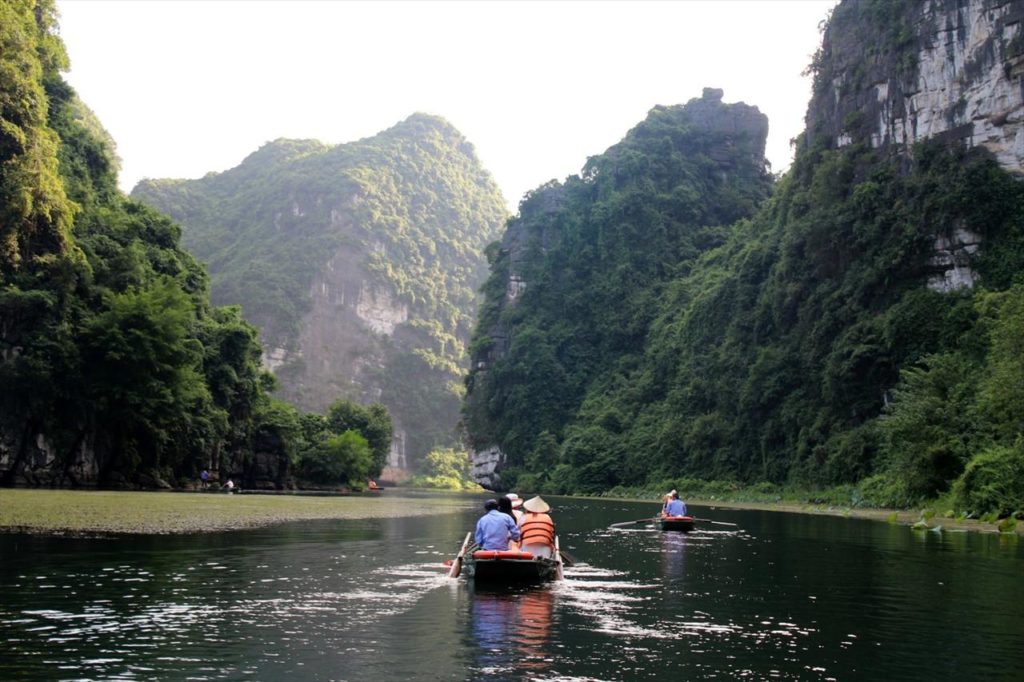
{"type": "Point", "coordinates": [682, 524]}
{"type": "Point", "coordinates": [510, 568]}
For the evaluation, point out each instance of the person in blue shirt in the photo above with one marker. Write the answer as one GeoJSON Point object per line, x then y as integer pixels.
{"type": "Point", "coordinates": [494, 529]}
{"type": "Point", "coordinates": [674, 506]}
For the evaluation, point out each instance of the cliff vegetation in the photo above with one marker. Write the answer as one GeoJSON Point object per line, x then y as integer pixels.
{"type": "Point", "coordinates": [672, 321]}
{"type": "Point", "coordinates": [115, 368]}
{"type": "Point", "coordinates": [359, 263]}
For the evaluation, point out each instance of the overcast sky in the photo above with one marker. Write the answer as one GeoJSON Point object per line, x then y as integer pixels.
{"type": "Point", "coordinates": [189, 87]}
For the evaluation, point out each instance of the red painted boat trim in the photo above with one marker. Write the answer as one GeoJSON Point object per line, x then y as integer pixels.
{"type": "Point", "coordinates": [496, 554]}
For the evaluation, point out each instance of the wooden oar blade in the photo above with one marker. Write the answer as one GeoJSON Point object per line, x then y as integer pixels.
{"type": "Point", "coordinates": [631, 523]}
{"type": "Point", "coordinates": [456, 568]}
{"type": "Point", "coordinates": [717, 523]}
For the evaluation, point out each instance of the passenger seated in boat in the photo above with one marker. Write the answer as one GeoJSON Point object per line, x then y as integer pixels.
{"type": "Point", "coordinates": [494, 529]}
{"type": "Point", "coordinates": [538, 529]}
{"type": "Point", "coordinates": [517, 506]}
{"type": "Point", "coordinates": [674, 506]}
{"type": "Point", "coordinates": [505, 507]}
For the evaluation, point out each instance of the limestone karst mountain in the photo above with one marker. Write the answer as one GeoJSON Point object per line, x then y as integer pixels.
{"type": "Point", "coordinates": [860, 327]}
{"type": "Point", "coordinates": [359, 263]}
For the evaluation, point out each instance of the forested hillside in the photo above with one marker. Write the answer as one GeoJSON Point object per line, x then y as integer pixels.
{"type": "Point", "coordinates": [115, 370]}
{"type": "Point", "coordinates": [359, 263]}
{"type": "Point", "coordinates": [645, 325]}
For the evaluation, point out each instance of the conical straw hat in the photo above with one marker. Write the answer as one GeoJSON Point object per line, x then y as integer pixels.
{"type": "Point", "coordinates": [536, 505]}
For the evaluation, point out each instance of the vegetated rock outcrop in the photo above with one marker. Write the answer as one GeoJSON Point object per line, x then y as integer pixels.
{"type": "Point", "coordinates": [858, 326]}
{"type": "Point", "coordinates": [115, 371]}
{"type": "Point", "coordinates": [587, 261]}
{"type": "Point", "coordinates": [359, 263]}
{"type": "Point", "coordinates": [893, 74]}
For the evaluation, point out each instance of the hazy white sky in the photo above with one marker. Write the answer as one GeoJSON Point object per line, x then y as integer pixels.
{"type": "Point", "coordinates": [189, 87]}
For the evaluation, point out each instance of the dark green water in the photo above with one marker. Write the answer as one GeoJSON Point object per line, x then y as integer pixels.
{"type": "Point", "coordinates": [785, 596]}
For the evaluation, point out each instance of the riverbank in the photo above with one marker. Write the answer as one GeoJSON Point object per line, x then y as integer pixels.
{"type": "Point", "coordinates": [922, 520]}
{"type": "Point", "coordinates": [78, 512]}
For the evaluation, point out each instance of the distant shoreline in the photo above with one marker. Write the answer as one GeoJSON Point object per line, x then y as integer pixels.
{"type": "Point", "coordinates": [903, 517]}
{"type": "Point", "coordinates": [114, 513]}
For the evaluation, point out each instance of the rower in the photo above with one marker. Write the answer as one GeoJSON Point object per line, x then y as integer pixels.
{"type": "Point", "coordinates": [674, 506]}
{"type": "Point", "coordinates": [537, 528]}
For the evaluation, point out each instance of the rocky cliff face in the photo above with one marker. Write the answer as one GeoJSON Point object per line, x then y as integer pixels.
{"type": "Point", "coordinates": [359, 263]}
{"type": "Point", "coordinates": [894, 73]}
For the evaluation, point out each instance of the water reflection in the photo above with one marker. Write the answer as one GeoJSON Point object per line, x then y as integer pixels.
{"type": "Point", "coordinates": [673, 553]}
{"type": "Point", "coordinates": [779, 597]}
{"type": "Point", "coordinates": [512, 630]}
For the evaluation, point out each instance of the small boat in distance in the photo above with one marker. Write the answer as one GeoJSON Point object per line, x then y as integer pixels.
{"type": "Point", "coordinates": [679, 523]}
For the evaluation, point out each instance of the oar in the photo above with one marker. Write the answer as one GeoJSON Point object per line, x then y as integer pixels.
{"type": "Point", "coordinates": [631, 523]}
{"type": "Point", "coordinates": [457, 562]}
{"type": "Point", "coordinates": [717, 523]}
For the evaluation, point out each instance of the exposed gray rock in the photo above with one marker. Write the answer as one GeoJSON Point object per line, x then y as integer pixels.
{"type": "Point", "coordinates": [487, 467]}
{"type": "Point", "coordinates": [953, 70]}
{"type": "Point", "coordinates": [945, 69]}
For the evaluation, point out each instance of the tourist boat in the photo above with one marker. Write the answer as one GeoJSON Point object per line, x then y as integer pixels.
{"type": "Point", "coordinates": [680, 523]}
{"type": "Point", "coordinates": [505, 567]}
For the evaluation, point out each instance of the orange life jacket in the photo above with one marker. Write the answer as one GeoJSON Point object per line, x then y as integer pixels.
{"type": "Point", "coordinates": [537, 529]}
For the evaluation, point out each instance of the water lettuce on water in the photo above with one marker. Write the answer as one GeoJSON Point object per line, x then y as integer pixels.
{"type": "Point", "coordinates": [139, 512]}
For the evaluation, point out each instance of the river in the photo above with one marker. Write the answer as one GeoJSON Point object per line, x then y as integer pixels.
{"type": "Point", "coordinates": [779, 596]}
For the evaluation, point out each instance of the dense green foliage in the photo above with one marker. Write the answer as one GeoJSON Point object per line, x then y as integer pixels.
{"type": "Point", "coordinates": [346, 446]}
{"type": "Point", "coordinates": [115, 367]}
{"type": "Point", "coordinates": [446, 469]}
{"type": "Point", "coordinates": [801, 348]}
{"type": "Point", "coordinates": [406, 212]}
{"type": "Point", "coordinates": [110, 346]}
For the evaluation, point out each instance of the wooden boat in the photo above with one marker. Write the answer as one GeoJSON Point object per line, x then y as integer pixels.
{"type": "Point", "coordinates": [680, 523]}
{"type": "Point", "coordinates": [506, 567]}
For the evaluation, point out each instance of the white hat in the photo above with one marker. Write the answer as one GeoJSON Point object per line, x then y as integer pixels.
{"type": "Point", "coordinates": [536, 505]}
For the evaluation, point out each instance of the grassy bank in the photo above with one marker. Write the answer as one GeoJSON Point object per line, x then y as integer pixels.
{"type": "Point", "coordinates": [91, 512]}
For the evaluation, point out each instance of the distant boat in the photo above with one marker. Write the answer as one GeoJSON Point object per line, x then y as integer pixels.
{"type": "Point", "coordinates": [679, 523]}
{"type": "Point", "coordinates": [373, 487]}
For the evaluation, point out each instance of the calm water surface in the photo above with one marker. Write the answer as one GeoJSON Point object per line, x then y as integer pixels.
{"type": "Point", "coordinates": [782, 596]}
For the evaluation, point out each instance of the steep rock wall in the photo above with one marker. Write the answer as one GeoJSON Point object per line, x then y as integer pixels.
{"type": "Point", "coordinates": [359, 263]}
{"type": "Point", "coordinates": [894, 73]}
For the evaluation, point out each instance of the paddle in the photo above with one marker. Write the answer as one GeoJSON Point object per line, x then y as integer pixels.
{"type": "Point", "coordinates": [717, 523]}
{"type": "Point", "coordinates": [457, 562]}
{"type": "Point", "coordinates": [631, 523]}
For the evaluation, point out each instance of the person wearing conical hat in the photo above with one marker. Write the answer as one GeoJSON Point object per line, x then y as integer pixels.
{"type": "Point", "coordinates": [537, 529]}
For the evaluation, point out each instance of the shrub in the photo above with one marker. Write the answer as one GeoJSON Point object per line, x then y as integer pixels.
{"type": "Point", "coordinates": [993, 481]}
